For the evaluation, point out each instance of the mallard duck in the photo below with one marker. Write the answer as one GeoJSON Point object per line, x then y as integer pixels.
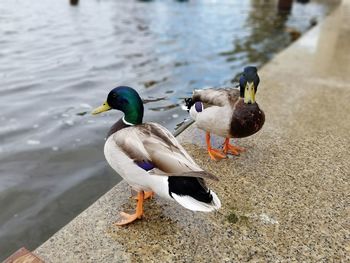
{"type": "Point", "coordinates": [151, 160]}
{"type": "Point", "coordinates": [229, 113]}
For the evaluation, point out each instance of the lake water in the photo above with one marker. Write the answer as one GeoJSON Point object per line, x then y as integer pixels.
{"type": "Point", "coordinates": [58, 61]}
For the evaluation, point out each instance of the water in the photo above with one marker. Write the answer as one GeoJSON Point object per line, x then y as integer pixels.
{"type": "Point", "coordinates": [57, 61]}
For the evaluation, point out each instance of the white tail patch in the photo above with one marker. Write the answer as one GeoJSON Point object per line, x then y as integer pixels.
{"type": "Point", "coordinates": [195, 205]}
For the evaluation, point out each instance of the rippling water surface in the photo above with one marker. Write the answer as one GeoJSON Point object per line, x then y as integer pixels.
{"type": "Point", "coordinates": [57, 61]}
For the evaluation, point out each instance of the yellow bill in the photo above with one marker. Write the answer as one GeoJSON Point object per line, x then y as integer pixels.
{"type": "Point", "coordinates": [102, 108]}
{"type": "Point", "coordinates": [249, 93]}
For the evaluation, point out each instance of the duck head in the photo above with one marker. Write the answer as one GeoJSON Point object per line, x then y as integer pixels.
{"type": "Point", "coordinates": [127, 100]}
{"type": "Point", "coordinates": [248, 84]}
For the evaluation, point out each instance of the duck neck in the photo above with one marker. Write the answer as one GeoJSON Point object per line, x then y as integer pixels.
{"type": "Point", "coordinates": [133, 116]}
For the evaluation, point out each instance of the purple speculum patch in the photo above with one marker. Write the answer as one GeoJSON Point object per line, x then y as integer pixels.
{"type": "Point", "coordinates": [198, 106]}
{"type": "Point", "coordinates": [145, 165]}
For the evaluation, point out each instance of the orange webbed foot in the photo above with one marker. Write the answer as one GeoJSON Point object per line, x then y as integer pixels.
{"type": "Point", "coordinates": [216, 154]}
{"type": "Point", "coordinates": [235, 150]}
{"type": "Point", "coordinates": [213, 153]}
{"type": "Point", "coordinates": [129, 218]}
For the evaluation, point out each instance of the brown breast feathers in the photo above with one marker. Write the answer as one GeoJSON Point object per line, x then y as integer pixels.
{"type": "Point", "coordinates": [247, 119]}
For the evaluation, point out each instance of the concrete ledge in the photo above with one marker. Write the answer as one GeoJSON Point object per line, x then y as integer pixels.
{"type": "Point", "coordinates": [285, 199]}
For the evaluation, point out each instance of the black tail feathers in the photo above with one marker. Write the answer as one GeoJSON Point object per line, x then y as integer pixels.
{"type": "Point", "coordinates": [189, 103]}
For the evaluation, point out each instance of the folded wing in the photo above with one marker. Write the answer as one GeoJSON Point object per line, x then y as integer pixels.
{"type": "Point", "coordinates": [217, 97]}
{"type": "Point", "coordinates": [152, 146]}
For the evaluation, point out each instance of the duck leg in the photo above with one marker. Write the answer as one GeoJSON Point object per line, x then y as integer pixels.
{"type": "Point", "coordinates": [213, 153]}
{"type": "Point", "coordinates": [147, 195]}
{"type": "Point", "coordinates": [235, 150]}
{"type": "Point", "coordinates": [129, 218]}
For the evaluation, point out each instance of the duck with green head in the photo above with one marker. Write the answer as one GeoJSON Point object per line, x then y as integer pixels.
{"type": "Point", "coordinates": [229, 113]}
{"type": "Point", "coordinates": [151, 160]}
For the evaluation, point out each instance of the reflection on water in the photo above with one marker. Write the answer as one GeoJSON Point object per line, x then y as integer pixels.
{"type": "Point", "coordinates": [58, 61]}
{"type": "Point", "coordinates": [151, 99]}
{"type": "Point", "coordinates": [74, 2]}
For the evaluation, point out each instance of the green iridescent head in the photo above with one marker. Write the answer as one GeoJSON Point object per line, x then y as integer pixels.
{"type": "Point", "coordinates": [248, 83]}
{"type": "Point", "coordinates": [127, 100]}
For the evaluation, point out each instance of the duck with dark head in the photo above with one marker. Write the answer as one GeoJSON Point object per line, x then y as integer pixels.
{"type": "Point", "coordinates": [151, 160]}
{"type": "Point", "coordinates": [229, 113]}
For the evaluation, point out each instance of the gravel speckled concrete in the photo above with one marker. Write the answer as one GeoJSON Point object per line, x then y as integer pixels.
{"type": "Point", "coordinates": [286, 199]}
